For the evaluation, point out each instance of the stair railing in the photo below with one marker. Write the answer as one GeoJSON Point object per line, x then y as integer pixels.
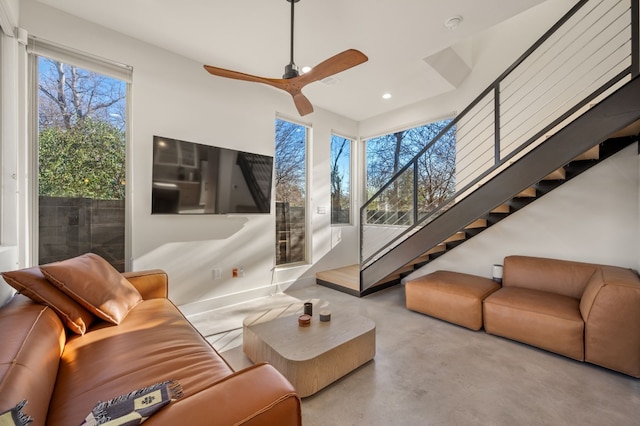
{"type": "Point", "coordinates": [590, 52]}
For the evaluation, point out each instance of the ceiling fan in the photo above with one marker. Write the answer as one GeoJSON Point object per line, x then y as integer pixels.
{"type": "Point", "coordinates": [292, 81]}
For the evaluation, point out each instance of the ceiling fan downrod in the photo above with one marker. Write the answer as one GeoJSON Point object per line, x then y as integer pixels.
{"type": "Point", "coordinates": [291, 70]}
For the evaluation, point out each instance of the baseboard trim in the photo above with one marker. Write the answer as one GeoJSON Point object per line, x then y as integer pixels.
{"type": "Point", "coordinates": [228, 299]}
{"type": "Point", "coordinates": [241, 297]}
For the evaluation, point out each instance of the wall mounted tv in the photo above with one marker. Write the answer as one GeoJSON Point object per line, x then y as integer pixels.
{"type": "Point", "coordinates": [192, 178]}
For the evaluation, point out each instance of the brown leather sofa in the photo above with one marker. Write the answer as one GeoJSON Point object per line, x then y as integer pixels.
{"type": "Point", "coordinates": [584, 311]}
{"type": "Point", "coordinates": [62, 375]}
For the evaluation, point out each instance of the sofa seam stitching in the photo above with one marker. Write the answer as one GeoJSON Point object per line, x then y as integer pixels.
{"type": "Point", "coordinates": [14, 361]}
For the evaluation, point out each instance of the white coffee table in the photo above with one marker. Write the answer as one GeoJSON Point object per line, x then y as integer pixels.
{"type": "Point", "coordinates": [310, 357]}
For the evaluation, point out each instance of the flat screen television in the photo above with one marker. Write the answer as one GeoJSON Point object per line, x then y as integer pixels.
{"type": "Point", "coordinates": [192, 178]}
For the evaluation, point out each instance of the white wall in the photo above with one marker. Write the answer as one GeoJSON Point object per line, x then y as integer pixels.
{"type": "Point", "coordinates": [9, 11]}
{"type": "Point", "coordinates": [174, 97]}
{"type": "Point", "coordinates": [9, 157]}
{"type": "Point", "coordinates": [591, 218]}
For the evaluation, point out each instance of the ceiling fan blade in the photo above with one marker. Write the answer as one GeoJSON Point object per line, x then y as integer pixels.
{"type": "Point", "coordinates": [302, 104]}
{"type": "Point", "coordinates": [335, 64]}
{"type": "Point", "coordinates": [292, 82]}
{"type": "Point", "coordinates": [236, 75]}
{"type": "Point", "coordinates": [290, 86]}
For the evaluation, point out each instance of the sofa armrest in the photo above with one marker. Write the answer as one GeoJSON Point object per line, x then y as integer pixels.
{"type": "Point", "coordinates": [152, 284]}
{"type": "Point", "coordinates": [258, 395]}
{"type": "Point", "coordinates": [610, 311]}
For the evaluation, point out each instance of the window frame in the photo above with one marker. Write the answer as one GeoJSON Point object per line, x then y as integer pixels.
{"type": "Point", "coordinates": [363, 189]}
{"type": "Point", "coordinates": [351, 203]}
{"type": "Point", "coordinates": [307, 188]}
{"type": "Point", "coordinates": [37, 47]}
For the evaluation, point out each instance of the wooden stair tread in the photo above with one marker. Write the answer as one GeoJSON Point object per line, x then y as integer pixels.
{"type": "Point", "coordinates": [478, 223]}
{"type": "Point", "coordinates": [397, 274]}
{"type": "Point", "coordinates": [503, 208]}
{"type": "Point", "coordinates": [592, 154]}
{"type": "Point", "coordinates": [560, 174]}
{"type": "Point", "coordinates": [425, 256]}
{"type": "Point", "coordinates": [631, 130]}
{"type": "Point", "coordinates": [528, 193]}
{"type": "Point", "coordinates": [437, 249]}
{"type": "Point", "coordinates": [458, 236]}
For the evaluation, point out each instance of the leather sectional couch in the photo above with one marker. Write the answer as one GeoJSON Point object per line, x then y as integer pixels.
{"type": "Point", "coordinates": [584, 311]}
{"type": "Point", "coordinates": [95, 335]}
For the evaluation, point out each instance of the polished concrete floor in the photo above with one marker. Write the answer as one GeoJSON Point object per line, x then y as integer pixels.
{"type": "Point", "coordinates": [429, 372]}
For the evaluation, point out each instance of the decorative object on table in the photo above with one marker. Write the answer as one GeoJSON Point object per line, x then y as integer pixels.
{"type": "Point", "coordinates": [135, 407]}
{"type": "Point", "coordinates": [304, 320]}
{"type": "Point", "coordinates": [325, 315]}
{"type": "Point", "coordinates": [308, 308]}
{"type": "Point", "coordinates": [497, 273]}
{"type": "Point", "coordinates": [15, 416]}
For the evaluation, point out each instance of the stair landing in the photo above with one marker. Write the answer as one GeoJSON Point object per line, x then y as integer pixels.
{"type": "Point", "coordinates": [347, 276]}
{"type": "Point", "coordinates": [347, 280]}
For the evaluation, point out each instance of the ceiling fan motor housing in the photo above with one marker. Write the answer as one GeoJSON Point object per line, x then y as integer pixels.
{"type": "Point", "coordinates": [291, 71]}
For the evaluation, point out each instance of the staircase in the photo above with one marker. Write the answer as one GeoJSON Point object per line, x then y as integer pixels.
{"type": "Point", "coordinates": [347, 279]}
{"type": "Point", "coordinates": [589, 114]}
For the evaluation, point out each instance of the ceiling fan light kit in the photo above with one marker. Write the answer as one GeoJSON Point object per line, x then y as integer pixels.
{"type": "Point", "coordinates": [292, 81]}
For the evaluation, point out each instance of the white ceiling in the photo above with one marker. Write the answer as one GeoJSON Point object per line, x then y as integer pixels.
{"type": "Point", "coordinates": [252, 36]}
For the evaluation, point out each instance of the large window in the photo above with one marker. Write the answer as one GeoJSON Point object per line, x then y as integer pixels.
{"type": "Point", "coordinates": [291, 192]}
{"type": "Point", "coordinates": [340, 180]}
{"type": "Point", "coordinates": [386, 155]}
{"type": "Point", "coordinates": [81, 162]}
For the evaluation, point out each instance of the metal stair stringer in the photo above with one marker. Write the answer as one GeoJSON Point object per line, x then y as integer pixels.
{"type": "Point", "coordinates": [617, 111]}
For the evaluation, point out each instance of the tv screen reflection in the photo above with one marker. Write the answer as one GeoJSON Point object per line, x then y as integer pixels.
{"type": "Point", "coordinates": [192, 178]}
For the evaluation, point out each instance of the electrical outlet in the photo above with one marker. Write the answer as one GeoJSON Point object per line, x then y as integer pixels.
{"type": "Point", "coordinates": [217, 273]}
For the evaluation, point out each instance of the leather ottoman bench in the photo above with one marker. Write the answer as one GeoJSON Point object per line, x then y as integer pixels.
{"type": "Point", "coordinates": [451, 296]}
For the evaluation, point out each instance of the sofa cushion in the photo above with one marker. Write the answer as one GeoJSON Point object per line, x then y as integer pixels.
{"type": "Point", "coordinates": [546, 320]}
{"type": "Point", "coordinates": [555, 276]}
{"type": "Point", "coordinates": [32, 338]}
{"type": "Point", "coordinates": [452, 296]}
{"type": "Point", "coordinates": [95, 284]}
{"type": "Point", "coordinates": [154, 343]}
{"type": "Point", "coordinates": [35, 286]}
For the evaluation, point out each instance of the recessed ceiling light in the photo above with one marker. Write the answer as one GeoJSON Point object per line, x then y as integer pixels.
{"type": "Point", "coordinates": [386, 96]}
{"type": "Point", "coordinates": [453, 22]}
{"type": "Point", "coordinates": [305, 70]}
